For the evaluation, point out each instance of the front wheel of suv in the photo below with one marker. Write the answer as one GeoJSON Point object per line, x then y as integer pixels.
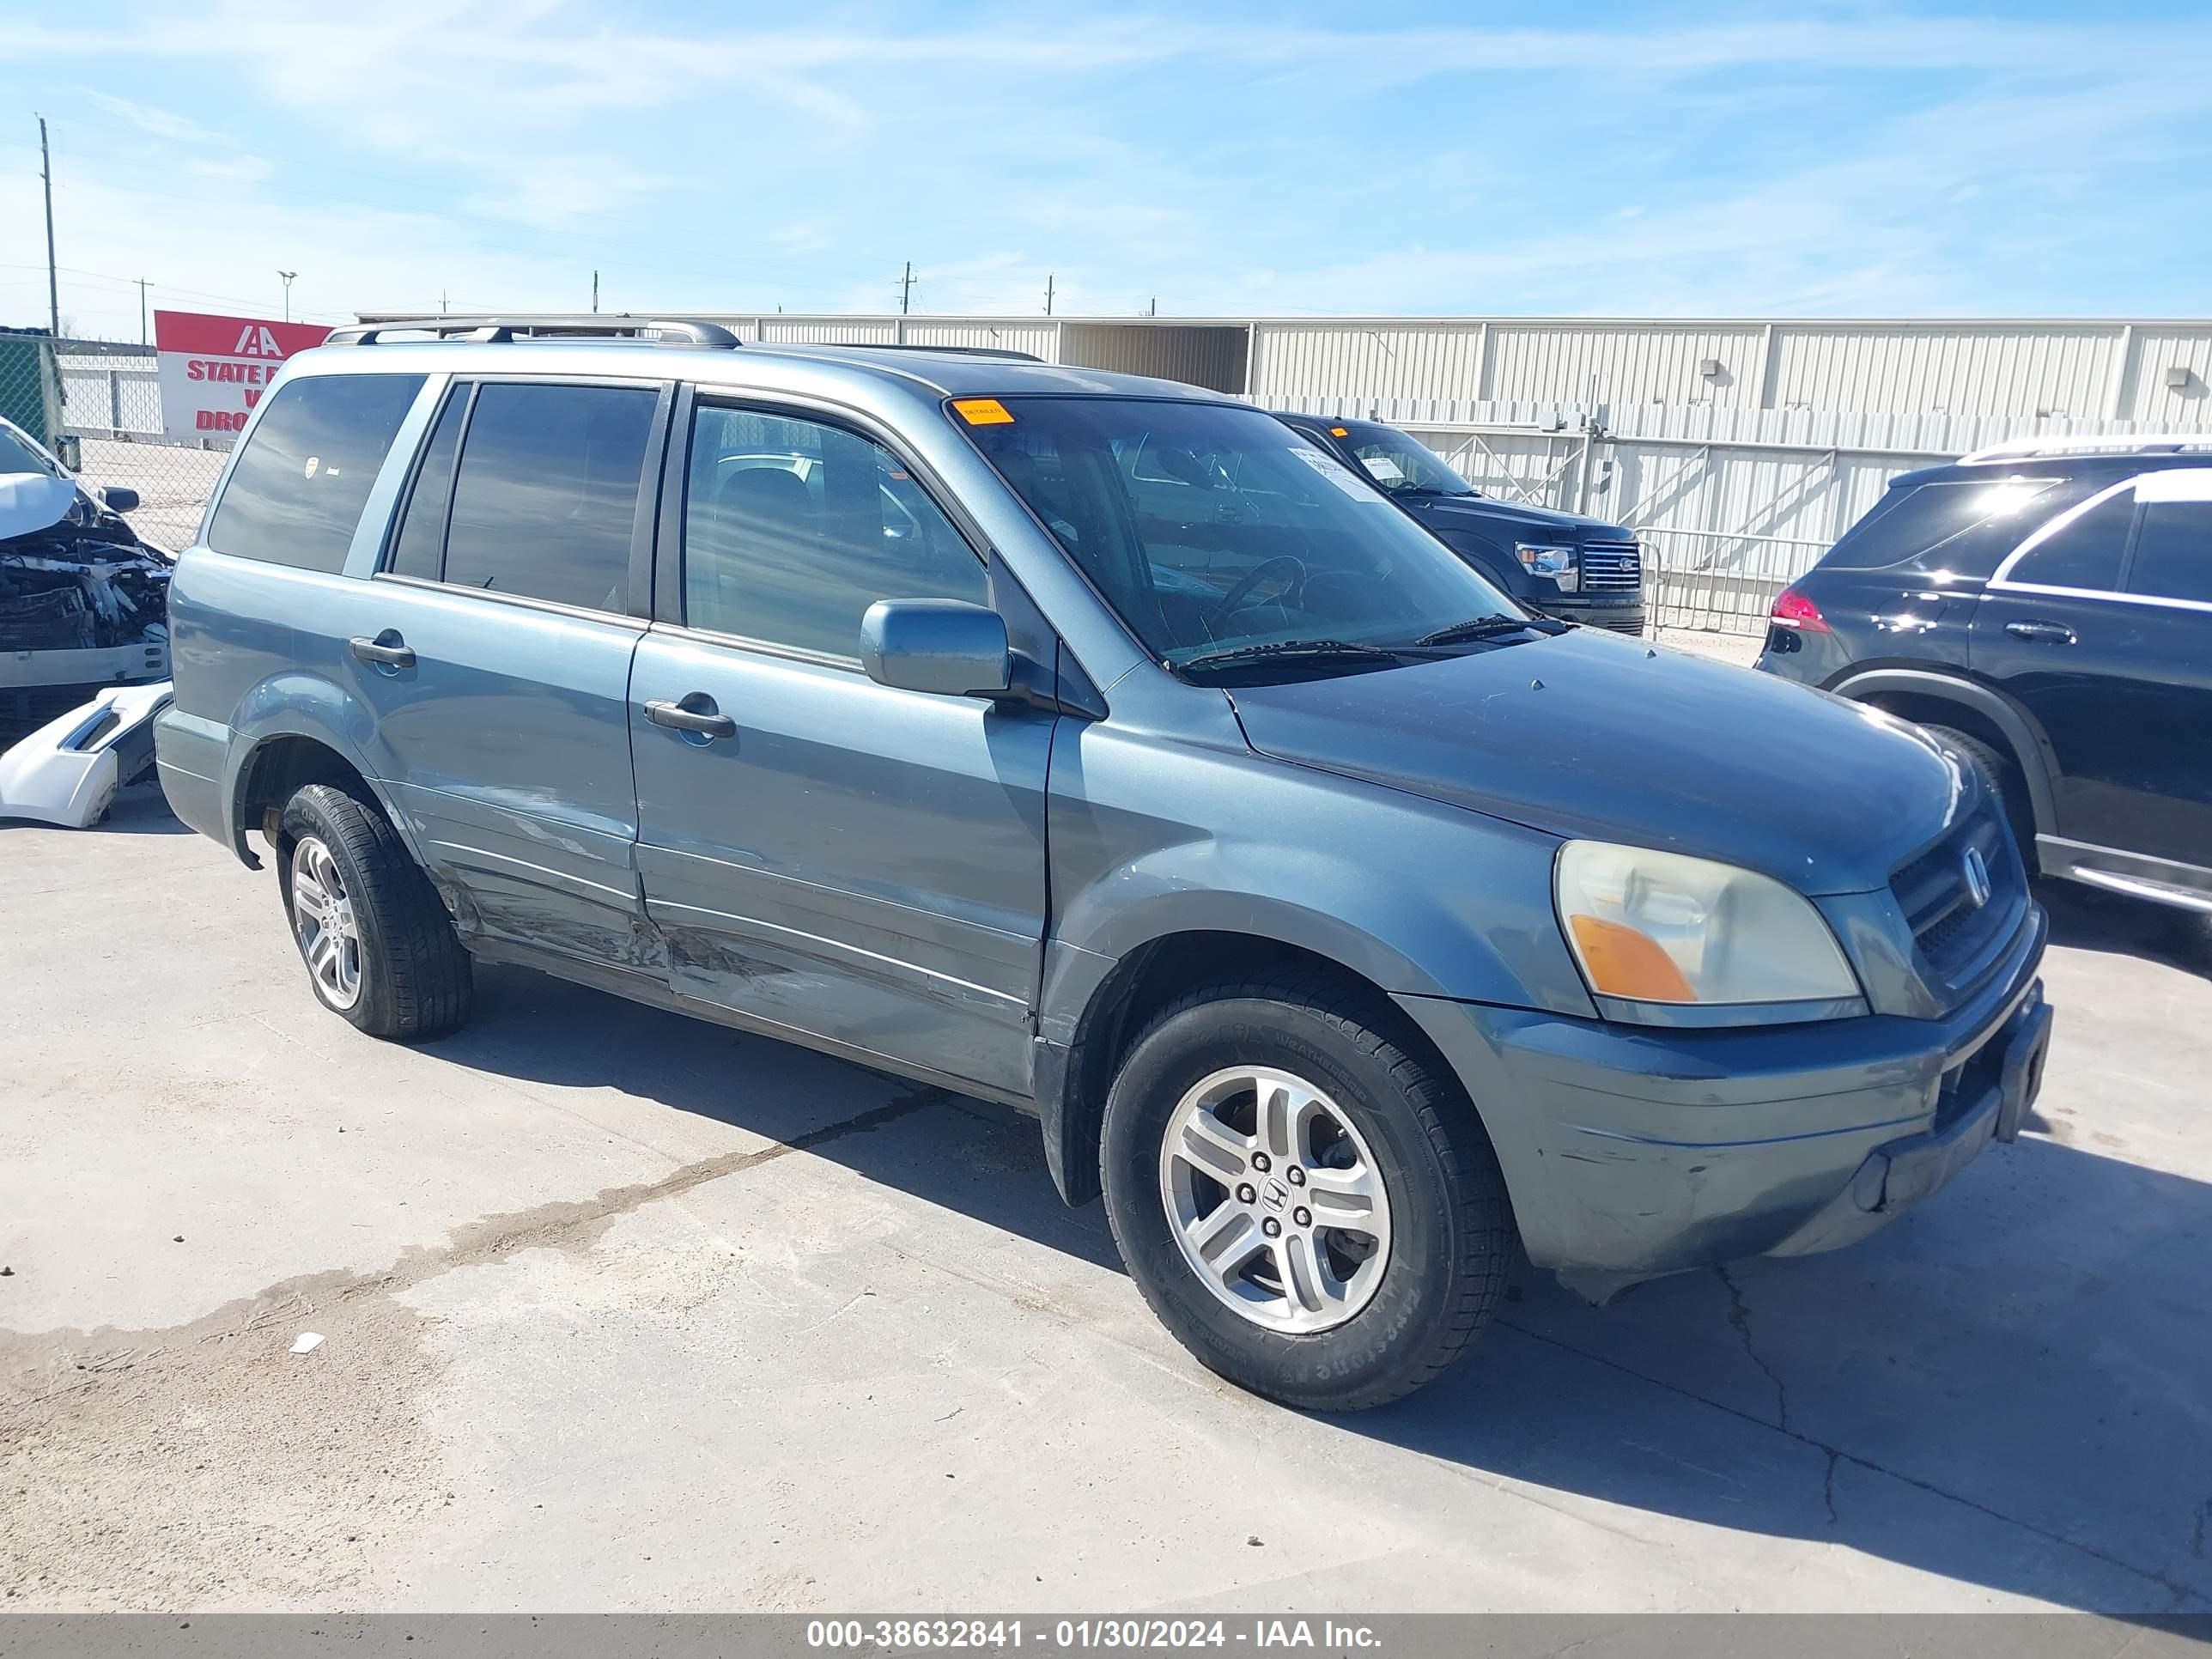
{"type": "Point", "coordinates": [1310, 1210]}
{"type": "Point", "coordinates": [380, 950]}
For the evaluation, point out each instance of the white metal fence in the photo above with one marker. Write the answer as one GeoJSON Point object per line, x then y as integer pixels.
{"type": "Point", "coordinates": [1731, 505]}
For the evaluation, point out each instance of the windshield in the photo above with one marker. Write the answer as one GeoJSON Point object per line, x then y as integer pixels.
{"type": "Point", "coordinates": [19, 454]}
{"type": "Point", "coordinates": [1209, 527]}
{"type": "Point", "coordinates": [1400, 465]}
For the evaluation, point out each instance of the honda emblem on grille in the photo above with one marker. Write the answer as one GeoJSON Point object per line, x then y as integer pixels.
{"type": "Point", "coordinates": [1977, 877]}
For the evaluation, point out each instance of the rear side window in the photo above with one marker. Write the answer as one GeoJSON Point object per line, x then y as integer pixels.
{"type": "Point", "coordinates": [1923, 523]}
{"type": "Point", "coordinates": [547, 492]}
{"type": "Point", "coordinates": [2084, 553]}
{"type": "Point", "coordinates": [298, 488]}
{"type": "Point", "coordinates": [2174, 552]}
{"type": "Point", "coordinates": [419, 550]}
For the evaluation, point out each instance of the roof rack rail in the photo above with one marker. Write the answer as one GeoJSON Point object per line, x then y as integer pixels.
{"type": "Point", "coordinates": [1006, 352]}
{"type": "Point", "coordinates": [2111, 443]}
{"type": "Point", "coordinates": [580, 325]}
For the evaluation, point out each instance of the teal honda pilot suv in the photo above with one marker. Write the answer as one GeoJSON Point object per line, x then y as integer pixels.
{"type": "Point", "coordinates": [1103, 746]}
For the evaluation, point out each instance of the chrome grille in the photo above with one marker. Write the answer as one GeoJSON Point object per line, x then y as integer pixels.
{"type": "Point", "coordinates": [1956, 935]}
{"type": "Point", "coordinates": [1611, 567]}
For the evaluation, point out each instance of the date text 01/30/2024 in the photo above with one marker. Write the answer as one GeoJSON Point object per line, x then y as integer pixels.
{"type": "Point", "coordinates": [995, 1633]}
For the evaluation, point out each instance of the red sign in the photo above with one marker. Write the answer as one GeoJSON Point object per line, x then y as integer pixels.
{"type": "Point", "coordinates": [214, 369]}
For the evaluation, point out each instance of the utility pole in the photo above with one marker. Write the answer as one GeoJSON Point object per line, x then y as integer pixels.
{"type": "Point", "coordinates": [142, 311]}
{"type": "Point", "coordinates": [595, 291]}
{"type": "Point", "coordinates": [287, 276]}
{"type": "Point", "coordinates": [53, 286]}
{"type": "Point", "coordinates": [906, 288]}
{"type": "Point", "coordinates": [1153, 310]}
{"type": "Point", "coordinates": [1048, 294]}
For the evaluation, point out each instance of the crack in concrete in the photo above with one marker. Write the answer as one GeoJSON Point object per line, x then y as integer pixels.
{"type": "Point", "coordinates": [108, 1436]}
{"type": "Point", "coordinates": [77, 1361]}
{"type": "Point", "coordinates": [1739, 1317]}
{"type": "Point", "coordinates": [2181, 1593]}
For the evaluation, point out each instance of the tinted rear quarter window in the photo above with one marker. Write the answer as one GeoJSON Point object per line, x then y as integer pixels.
{"type": "Point", "coordinates": [1956, 523]}
{"type": "Point", "coordinates": [546, 496]}
{"type": "Point", "coordinates": [296, 492]}
{"type": "Point", "coordinates": [2174, 552]}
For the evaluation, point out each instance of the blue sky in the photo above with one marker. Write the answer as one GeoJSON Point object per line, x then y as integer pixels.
{"type": "Point", "coordinates": [1632, 160]}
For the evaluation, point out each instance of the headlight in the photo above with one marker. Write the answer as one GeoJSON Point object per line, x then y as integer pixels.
{"type": "Point", "coordinates": [1557, 563]}
{"type": "Point", "coordinates": [1652, 926]}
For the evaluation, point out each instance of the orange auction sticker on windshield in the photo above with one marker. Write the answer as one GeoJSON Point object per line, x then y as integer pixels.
{"type": "Point", "coordinates": [982, 411]}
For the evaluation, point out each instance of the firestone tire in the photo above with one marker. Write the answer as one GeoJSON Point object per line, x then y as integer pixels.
{"type": "Point", "coordinates": [1275, 1327]}
{"type": "Point", "coordinates": [380, 950]}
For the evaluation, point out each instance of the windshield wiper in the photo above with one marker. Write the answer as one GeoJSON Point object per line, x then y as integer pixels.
{"type": "Point", "coordinates": [1291, 650]}
{"type": "Point", "coordinates": [1475, 628]}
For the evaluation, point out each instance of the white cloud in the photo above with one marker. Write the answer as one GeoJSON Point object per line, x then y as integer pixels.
{"type": "Point", "coordinates": [498, 151]}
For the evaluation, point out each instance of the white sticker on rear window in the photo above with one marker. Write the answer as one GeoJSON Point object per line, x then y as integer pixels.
{"type": "Point", "coordinates": [1337, 473]}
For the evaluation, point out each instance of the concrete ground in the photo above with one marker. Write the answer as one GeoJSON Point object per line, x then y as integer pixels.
{"type": "Point", "coordinates": [621, 1310]}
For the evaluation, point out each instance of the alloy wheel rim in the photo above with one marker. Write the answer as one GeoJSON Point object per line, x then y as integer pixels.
{"type": "Point", "coordinates": [1275, 1200]}
{"type": "Point", "coordinates": [323, 919]}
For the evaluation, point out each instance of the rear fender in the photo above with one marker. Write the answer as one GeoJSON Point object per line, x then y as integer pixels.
{"type": "Point", "coordinates": [300, 705]}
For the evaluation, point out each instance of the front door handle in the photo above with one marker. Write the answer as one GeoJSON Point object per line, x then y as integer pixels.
{"type": "Point", "coordinates": [695, 713]}
{"type": "Point", "coordinates": [386, 650]}
{"type": "Point", "coordinates": [2050, 633]}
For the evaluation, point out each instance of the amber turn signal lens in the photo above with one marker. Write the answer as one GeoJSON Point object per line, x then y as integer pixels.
{"type": "Point", "coordinates": [1624, 963]}
{"type": "Point", "coordinates": [982, 411]}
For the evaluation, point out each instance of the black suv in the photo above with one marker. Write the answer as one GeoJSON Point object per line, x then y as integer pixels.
{"type": "Point", "coordinates": [1559, 564]}
{"type": "Point", "coordinates": [2046, 609]}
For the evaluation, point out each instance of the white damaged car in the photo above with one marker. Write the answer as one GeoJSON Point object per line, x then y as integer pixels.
{"type": "Point", "coordinates": [84, 638]}
{"type": "Point", "coordinates": [84, 602]}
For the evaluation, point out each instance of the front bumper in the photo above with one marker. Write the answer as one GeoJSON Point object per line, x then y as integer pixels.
{"type": "Point", "coordinates": [1634, 1150]}
{"type": "Point", "coordinates": [1622, 613]}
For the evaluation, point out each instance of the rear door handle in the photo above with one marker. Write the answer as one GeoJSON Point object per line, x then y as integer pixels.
{"type": "Point", "coordinates": [695, 713]}
{"type": "Point", "coordinates": [2050, 633]}
{"type": "Point", "coordinates": [386, 650]}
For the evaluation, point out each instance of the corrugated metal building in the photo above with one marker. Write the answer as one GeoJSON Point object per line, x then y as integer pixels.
{"type": "Point", "coordinates": [1445, 369]}
{"type": "Point", "coordinates": [1737, 449]}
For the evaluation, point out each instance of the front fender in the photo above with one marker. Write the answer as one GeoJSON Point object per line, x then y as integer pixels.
{"type": "Point", "coordinates": [1496, 943]}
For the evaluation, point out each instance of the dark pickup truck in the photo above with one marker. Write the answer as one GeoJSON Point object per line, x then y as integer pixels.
{"type": "Point", "coordinates": [1558, 563]}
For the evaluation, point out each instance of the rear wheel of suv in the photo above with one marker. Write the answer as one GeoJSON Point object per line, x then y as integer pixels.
{"type": "Point", "coordinates": [1310, 1210]}
{"type": "Point", "coordinates": [2003, 777]}
{"type": "Point", "coordinates": [379, 949]}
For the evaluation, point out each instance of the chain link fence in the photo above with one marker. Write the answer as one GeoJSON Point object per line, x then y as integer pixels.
{"type": "Point", "coordinates": [97, 404]}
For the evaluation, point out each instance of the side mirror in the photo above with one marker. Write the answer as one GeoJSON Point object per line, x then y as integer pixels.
{"type": "Point", "coordinates": [120, 498]}
{"type": "Point", "coordinates": [946, 646]}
